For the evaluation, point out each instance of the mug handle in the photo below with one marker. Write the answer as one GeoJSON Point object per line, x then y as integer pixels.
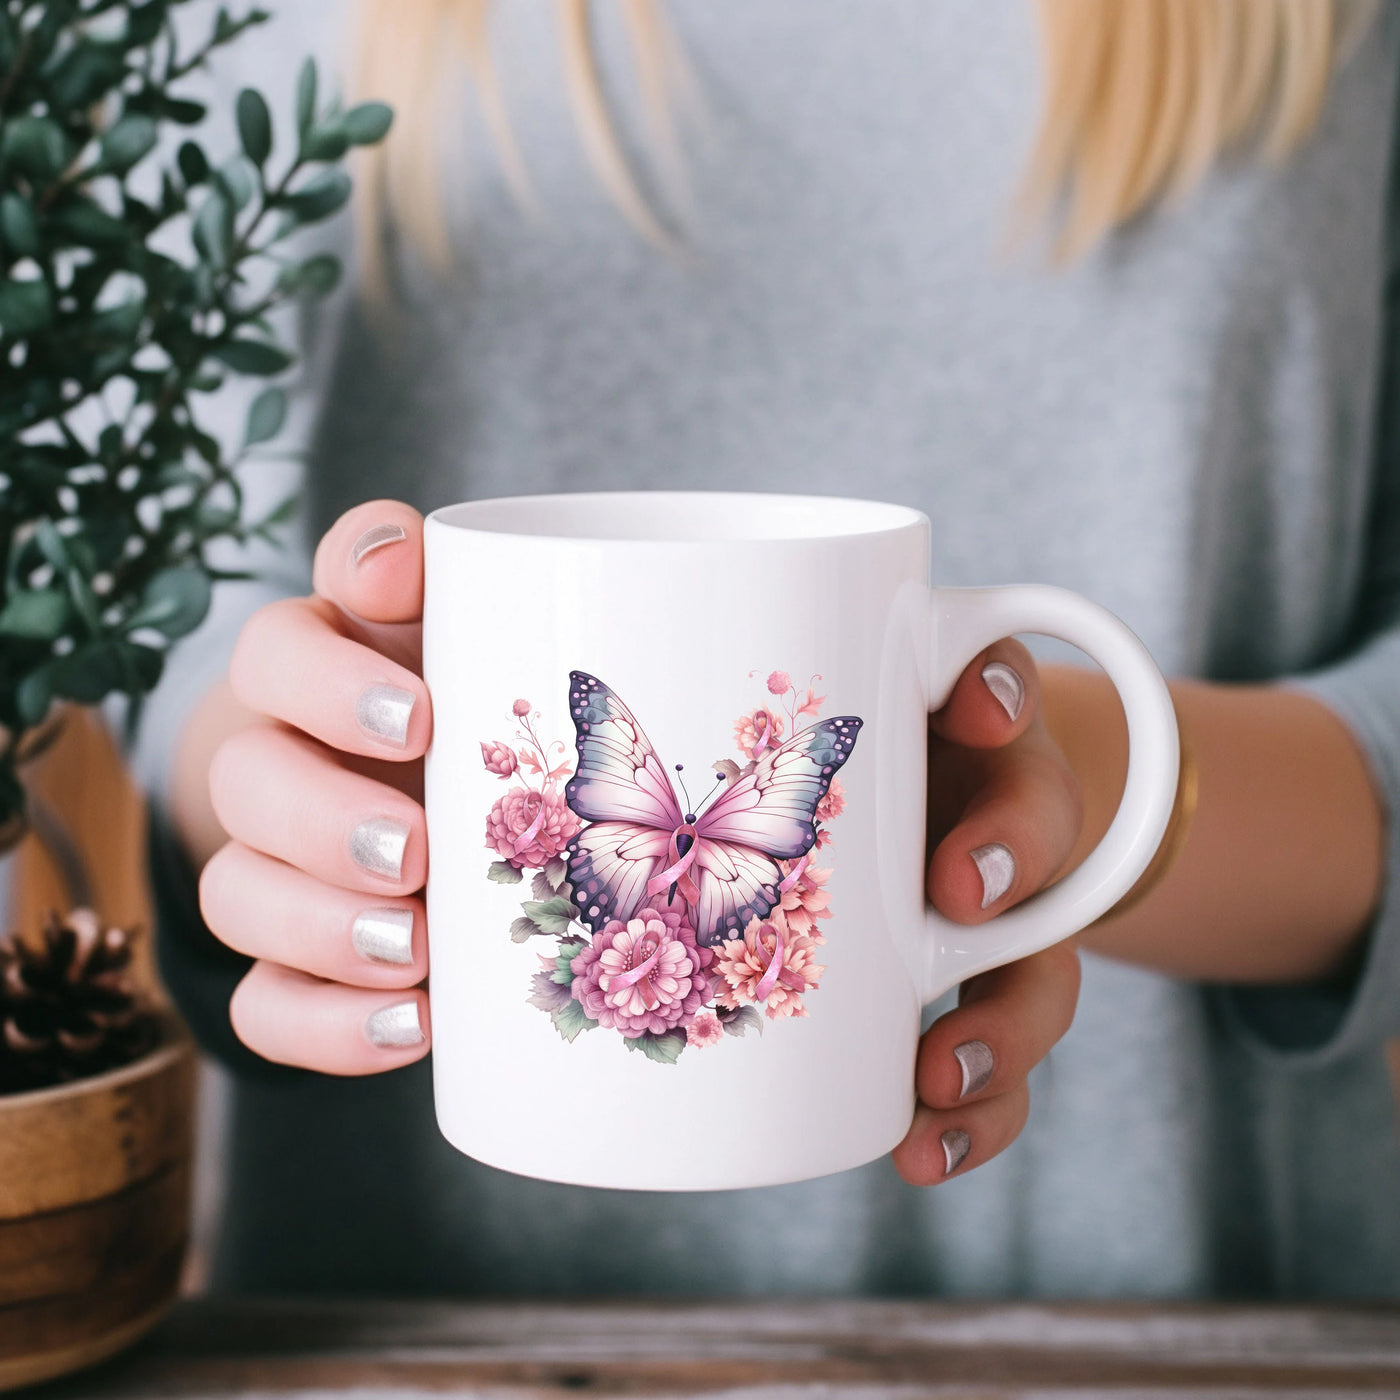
{"type": "Point", "coordinates": [966, 620]}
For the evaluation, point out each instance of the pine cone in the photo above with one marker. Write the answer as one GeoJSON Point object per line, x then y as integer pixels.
{"type": "Point", "coordinates": [68, 1009]}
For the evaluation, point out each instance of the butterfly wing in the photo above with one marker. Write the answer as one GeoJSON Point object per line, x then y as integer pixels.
{"type": "Point", "coordinates": [736, 883]}
{"type": "Point", "coordinates": [619, 777]}
{"type": "Point", "coordinates": [609, 864]}
{"type": "Point", "coordinates": [773, 808]}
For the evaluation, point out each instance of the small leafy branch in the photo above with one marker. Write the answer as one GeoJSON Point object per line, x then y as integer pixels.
{"type": "Point", "coordinates": [132, 284]}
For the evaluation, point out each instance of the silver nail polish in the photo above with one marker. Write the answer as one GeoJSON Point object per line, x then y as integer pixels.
{"type": "Point", "coordinates": [1006, 685]}
{"type": "Point", "coordinates": [392, 1027]}
{"type": "Point", "coordinates": [383, 712]}
{"type": "Point", "coordinates": [956, 1145]}
{"type": "Point", "coordinates": [378, 846]}
{"type": "Point", "coordinates": [385, 935]}
{"type": "Point", "coordinates": [376, 537]}
{"type": "Point", "coordinates": [997, 867]}
{"type": "Point", "coordinates": [975, 1057]}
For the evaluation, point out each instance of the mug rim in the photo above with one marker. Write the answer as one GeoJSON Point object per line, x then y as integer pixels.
{"type": "Point", "coordinates": [685, 514]}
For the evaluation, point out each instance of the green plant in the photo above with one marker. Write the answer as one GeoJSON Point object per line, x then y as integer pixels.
{"type": "Point", "coordinates": [137, 272]}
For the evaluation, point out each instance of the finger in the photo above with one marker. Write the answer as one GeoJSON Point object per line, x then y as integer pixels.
{"type": "Point", "coordinates": [293, 663]}
{"type": "Point", "coordinates": [943, 1143]}
{"type": "Point", "coordinates": [996, 698]}
{"type": "Point", "coordinates": [1005, 1024]}
{"type": "Point", "coordinates": [370, 562]}
{"type": "Point", "coordinates": [1015, 834]}
{"type": "Point", "coordinates": [265, 909]}
{"type": "Point", "coordinates": [292, 1019]}
{"type": "Point", "coordinates": [286, 796]}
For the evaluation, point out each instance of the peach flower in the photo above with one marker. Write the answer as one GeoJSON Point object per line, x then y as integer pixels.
{"type": "Point", "coordinates": [744, 962]}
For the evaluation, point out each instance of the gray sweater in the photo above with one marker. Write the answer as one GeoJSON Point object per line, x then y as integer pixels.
{"type": "Point", "coordinates": [1190, 427]}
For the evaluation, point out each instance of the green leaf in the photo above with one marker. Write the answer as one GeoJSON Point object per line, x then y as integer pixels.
{"type": "Point", "coordinates": [254, 126]}
{"type": "Point", "coordinates": [306, 97]}
{"type": "Point", "coordinates": [213, 229]}
{"type": "Point", "coordinates": [174, 602]}
{"type": "Point", "coordinates": [367, 122]}
{"type": "Point", "coordinates": [568, 950]}
{"type": "Point", "coordinates": [235, 181]}
{"type": "Point", "coordinates": [252, 356]}
{"type": "Point", "coordinates": [25, 307]}
{"type": "Point", "coordinates": [119, 322]}
{"type": "Point", "coordinates": [18, 225]}
{"type": "Point", "coordinates": [193, 163]}
{"type": "Point", "coordinates": [746, 1018]}
{"type": "Point", "coordinates": [664, 1049]}
{"type": "Point", "coordinates": [35, 145]}
{"type": "Point", "coordinates": [32, 696]}
{"type": "Point", "coordinates": [552, 915]}
{"type": "Point", "coordinates": [266, 416]}
{"type": "Point", "coordinates": [319, 197]}
{"type": "Point", "coordinates": [503, 873]}
{"type": "Point", "coordinates": [143, 22]}
{"type": "Point", "coordinates": [87, 224]}
{"type": "Point", "coordinates": [40, 615]}
{"type": "Point", "coordinates": [325, 141]}
{"type": "Point", "coordinates": [84, 73]}
{"type": "Point", "coordinates": [127, 142]}
{"type": "Point", "coordinates": [521, 929]}
{"type": "Point", "coordinates": [315, 277]}
{"type": "Point", "coordinates": [570, 1019]}
{"type": "Point", "coordinates": [184, 112]}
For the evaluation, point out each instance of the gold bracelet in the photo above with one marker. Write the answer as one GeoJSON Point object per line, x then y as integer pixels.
{"type": "Point", "coordinates": [1173, 838]}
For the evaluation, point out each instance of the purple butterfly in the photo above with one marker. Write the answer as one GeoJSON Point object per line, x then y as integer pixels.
{"type": "Point", "coordinates": [639, 845]}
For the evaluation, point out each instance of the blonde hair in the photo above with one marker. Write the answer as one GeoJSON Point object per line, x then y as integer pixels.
{"type": "Point", "coordinates": [1140, 99]}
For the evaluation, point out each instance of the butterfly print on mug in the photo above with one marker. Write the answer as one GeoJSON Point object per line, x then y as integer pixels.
{"type": "Point", "coordinates": [674, 922]}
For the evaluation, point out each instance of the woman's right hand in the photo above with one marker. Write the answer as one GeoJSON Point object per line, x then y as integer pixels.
{"type": "Point", "coordinates": [322, 879]}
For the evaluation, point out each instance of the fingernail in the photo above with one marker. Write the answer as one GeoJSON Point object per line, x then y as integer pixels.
{"type": "Point", "coordinates": [378, 846]}
{"type": "Point", "coordinates": [386, 935]}
{"type": "Point", "coordinates": [1006, 685]}
{"type": "Point", "coordinates": [383, 712]}
{"type": "Point", "coordinates": [997, 867]}
{"type": "Point", "coordinates": [376, 537]}
{"type": "Point", "coordinates": [956, 1145]}
{"type": "Point", "coordinates": [975, 1057]}
{"type": "Point", "coordinates": [394, 1026]}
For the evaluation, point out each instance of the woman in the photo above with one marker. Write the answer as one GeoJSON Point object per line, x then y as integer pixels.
{"type": "Point", "coordinates": [1175, 413]}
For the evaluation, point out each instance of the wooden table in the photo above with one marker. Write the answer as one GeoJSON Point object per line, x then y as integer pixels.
{"type": "Point", "coordinates": [794, 1350]}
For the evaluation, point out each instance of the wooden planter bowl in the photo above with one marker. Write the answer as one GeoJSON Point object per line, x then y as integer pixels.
{"type": "Point", "coordinates": [94, 1211]}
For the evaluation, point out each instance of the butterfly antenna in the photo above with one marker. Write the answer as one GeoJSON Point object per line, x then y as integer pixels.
{"type": "Point", "coordinates": [680, 768]}
{"type": "Point", "coordinates": [709, 796]}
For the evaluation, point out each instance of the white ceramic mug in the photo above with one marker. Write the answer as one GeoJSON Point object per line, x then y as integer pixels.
{"type": "Point", "coordinates": [712, 978]}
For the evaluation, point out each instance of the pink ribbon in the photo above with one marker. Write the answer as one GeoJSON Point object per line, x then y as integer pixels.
{"type": "Point", "coordinates": [776, 972]}
{"type": "Point", "coordinates": [531, 831]}
{"type": "Point", "coordinates": [794, 875]}
{"type": "Point", "coordinates": [632, 976]}
{"type": "Point", "coordinates": [761, 736]}
{"type": "Point", "coordinates": [676, 872]}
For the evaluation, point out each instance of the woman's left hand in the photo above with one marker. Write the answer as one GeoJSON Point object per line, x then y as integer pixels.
{"type": "Point", "coordinates": [1008, 810]}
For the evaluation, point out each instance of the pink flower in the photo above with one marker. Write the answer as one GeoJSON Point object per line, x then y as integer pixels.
{"type": "Point", "coordinates": [499, 758]}
{"type": "Point", "coordinates": [705, 1029]}
{"type": "Point", "coordinates": [761, 724]}
{"type": "Point", "coordinates": [833, 804]}
{"type": "Point", "coordinates": [779, 683]}
{"type": "Point", "coordinates": [807, 900]}
{"type": "Point", "coordinates": [743, 965]}
{"type": "Point", "coordinates": [520, 709]}
{"type": "Point", "coordinates": [673, 987]}
{"type": "Point", "coordinates": [529, 828]}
